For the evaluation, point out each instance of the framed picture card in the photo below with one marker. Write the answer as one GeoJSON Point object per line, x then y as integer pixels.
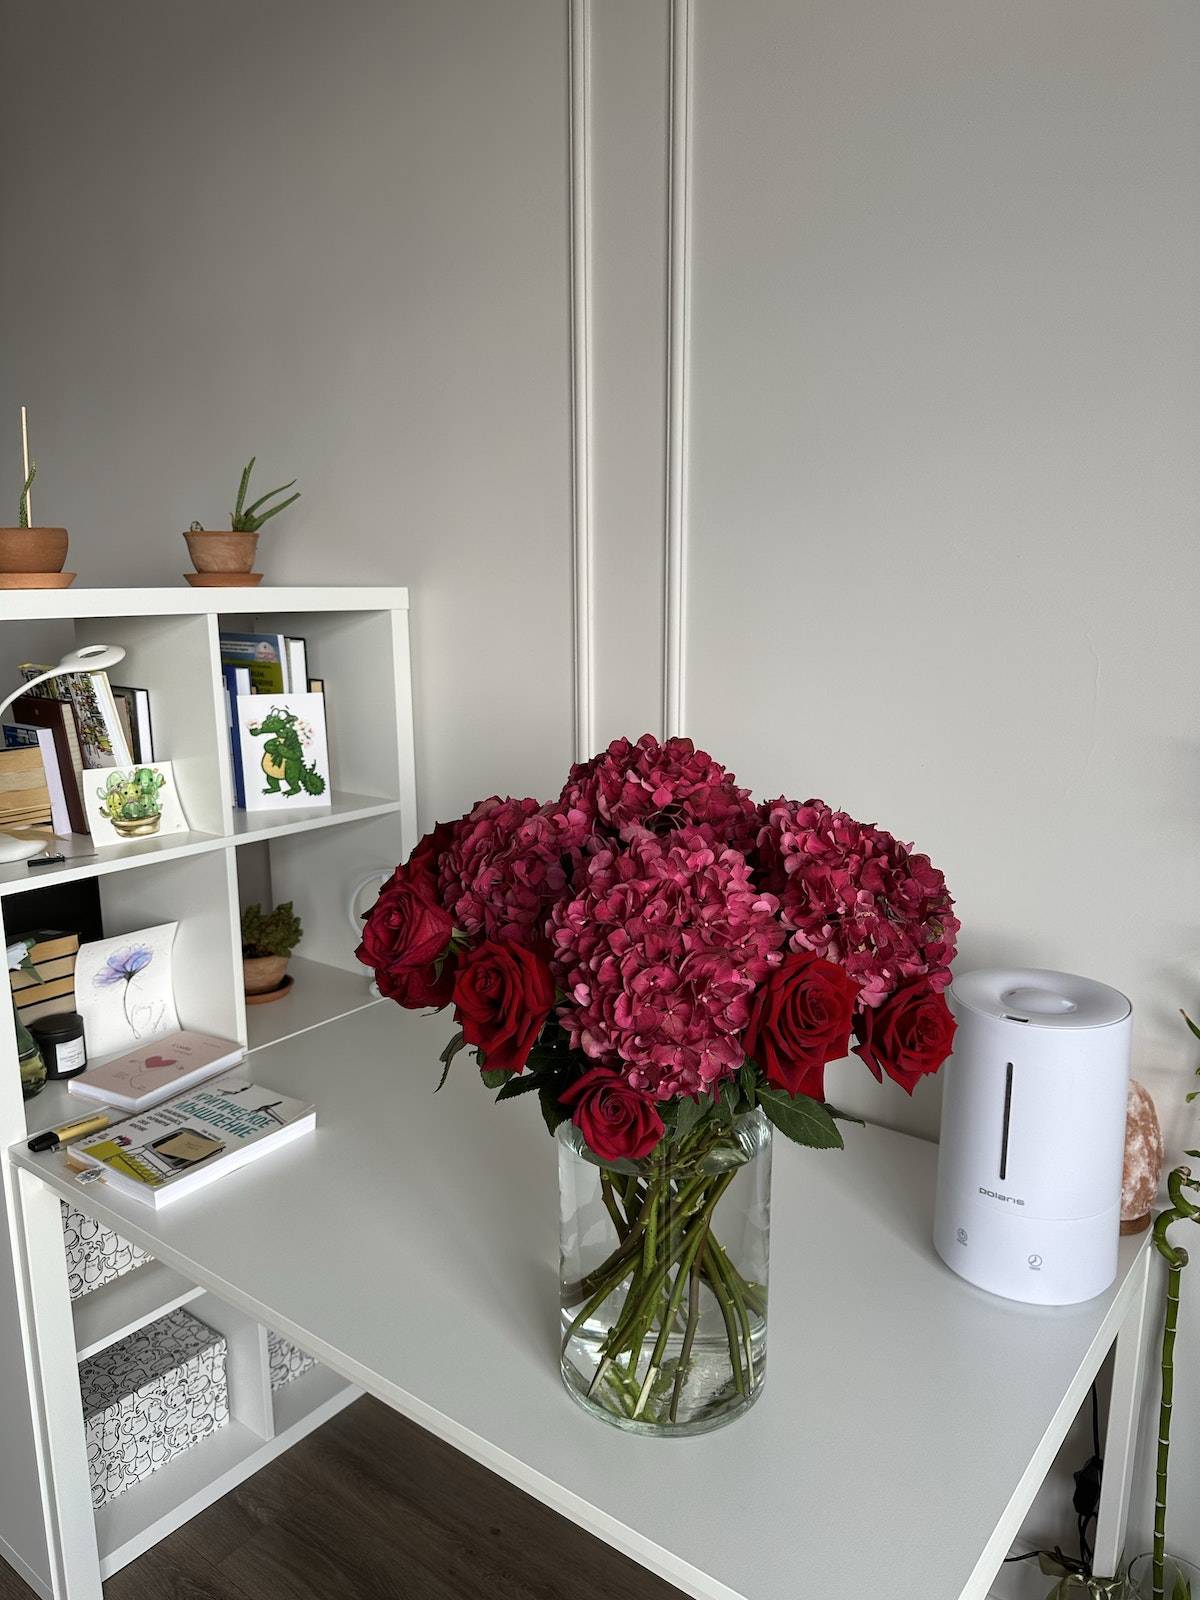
{"type": "Point", "coordinates": [125, 991]}
{"type": "Point", "coordinates": [285, 758]}
{"type": "Point", "coordinates": [126, 803]}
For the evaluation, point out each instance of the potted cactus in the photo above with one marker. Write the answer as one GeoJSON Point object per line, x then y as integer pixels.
{"type": "Point", "coordinates": [225, 559]}
{"type": "Point", "coordinates": [32, 558]}
{"type": "Point", "coordinates": [268, 939]}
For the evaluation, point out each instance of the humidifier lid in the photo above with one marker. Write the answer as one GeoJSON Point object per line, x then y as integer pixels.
{"type": "Point", "coordinates": [1040, 999]}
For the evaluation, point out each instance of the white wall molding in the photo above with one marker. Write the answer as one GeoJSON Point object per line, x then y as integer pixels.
{"type": "Point", "coordinates": [678, 345]}
{"type": "Point", "coordinates": [579, 49]}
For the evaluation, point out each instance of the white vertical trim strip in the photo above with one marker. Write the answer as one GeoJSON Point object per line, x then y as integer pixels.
{"type": "Point", "coordinates": [579, 48]}
{"type": "Point", "coordinates": [678, 344]}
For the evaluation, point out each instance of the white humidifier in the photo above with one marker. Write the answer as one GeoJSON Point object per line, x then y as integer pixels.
{"type": "Point", "coordinates": [1033, 1134]}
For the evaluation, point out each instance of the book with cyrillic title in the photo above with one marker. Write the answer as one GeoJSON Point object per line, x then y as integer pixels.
{"type": "Point", "coordinates": [192, 1140]}
{"type": "Point", "coordinates": [143, 1077]}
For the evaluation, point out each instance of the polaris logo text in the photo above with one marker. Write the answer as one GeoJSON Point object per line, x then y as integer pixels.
{"type": "Point", "coordinates": [1009, 1199]}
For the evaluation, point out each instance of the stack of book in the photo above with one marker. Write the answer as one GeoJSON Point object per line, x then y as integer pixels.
{"type": "Point", "coordinates": [274, 665]}
{"type": "Point", "coordinates": [61, 729]}
{"type": "Point", "coordinates": [53, 990]}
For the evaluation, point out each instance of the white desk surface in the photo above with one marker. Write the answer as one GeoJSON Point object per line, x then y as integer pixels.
{"type": "Point", "coordinates": [411, 1243]}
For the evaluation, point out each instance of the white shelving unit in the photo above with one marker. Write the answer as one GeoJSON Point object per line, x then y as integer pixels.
{"type": "Point", "coordinates": [358, 643]}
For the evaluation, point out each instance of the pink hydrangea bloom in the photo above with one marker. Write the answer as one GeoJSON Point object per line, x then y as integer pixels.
{"type": "Point", "coordinates": [857, 896]}
{"type": "Point", "coordinates": [503, 867]}
{"type": "Point", "coordinates": [658, 954]}
{"type": "Point", "coordinates": [656, 786]}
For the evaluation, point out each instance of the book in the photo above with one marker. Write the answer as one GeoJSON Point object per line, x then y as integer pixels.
{"type": "Point", "coordinates": [237, 682]}
{"type": "Point", "coordinates": [137, 702]}
{"type": "Point", "coordinates": [102, 740]}
{"type": "Point", "coordinates": [194, 1139]}
{"type": "Point", "coordinates": [24, 796]}
{"type": "Point", "coordinates": [40, 711]}
{"type": "Point", "coordinates": [18, 738]}
{"type": "Point", "coordinates": [297, 659]}
{"type": "Point", "coordinates": [141, 1078]}
{"type": "Point", "coordinates": [265, 654]}
{"type": "Point", "coordinates": [59, 816]}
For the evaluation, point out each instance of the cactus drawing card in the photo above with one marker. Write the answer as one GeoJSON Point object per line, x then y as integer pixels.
{"type": "Point", "coordinates": [285, 758]}
{"type": "Point", "coordinates": [128, 803]}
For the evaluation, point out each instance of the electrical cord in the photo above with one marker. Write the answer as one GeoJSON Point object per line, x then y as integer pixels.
{"type": "Point", "coordinates": [1086, 1504]}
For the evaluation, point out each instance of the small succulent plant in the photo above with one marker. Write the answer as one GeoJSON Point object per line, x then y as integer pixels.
{"type": "Point", "coordinates": [270, 933]}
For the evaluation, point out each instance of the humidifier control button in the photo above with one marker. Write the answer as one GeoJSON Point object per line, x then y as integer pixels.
{"type": "Point", "coordinates": [1035, 1262]}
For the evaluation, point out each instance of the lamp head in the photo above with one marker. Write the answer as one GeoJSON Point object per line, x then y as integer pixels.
{"type": "Point", "coordinates": [91, 658]}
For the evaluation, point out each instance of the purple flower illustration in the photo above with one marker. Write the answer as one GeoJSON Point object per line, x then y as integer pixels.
{"type": "Point", "coordinates": [123, 967]}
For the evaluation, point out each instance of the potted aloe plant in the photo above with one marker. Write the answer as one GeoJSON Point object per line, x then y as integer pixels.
{"type": "Point", "coordinates": [268, 939]}
{"type": "Point", "coordinates": [226, 559]}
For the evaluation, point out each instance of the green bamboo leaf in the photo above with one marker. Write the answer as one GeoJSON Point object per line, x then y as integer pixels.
{"type": "Point", "coordinates": [1193, 1026]}
{"type": "Point", "coordinates": [800, 1118]}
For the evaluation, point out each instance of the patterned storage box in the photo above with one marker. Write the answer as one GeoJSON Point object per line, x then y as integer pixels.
{"type": "Point", "coordinates": [146, 1399]}
{"type": "Point", "coordinates": [95, 1255]}
{"type": "Point", "coordinates": [287, 1360]}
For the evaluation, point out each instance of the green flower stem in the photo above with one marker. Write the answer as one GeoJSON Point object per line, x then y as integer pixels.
{"type": "Point", "coordinates": [608, 1194]}
{"type": "Point", "coordinates": [683, 1274]}
{"type": "Point", "coordinates": [1176, 1257]}
{"type": "Point", "coordinates": [717, 1284]}
{"type": "Point", "coordinates": [689, 1338]}
{"type": "Point", "coordinates": [734, 1291]}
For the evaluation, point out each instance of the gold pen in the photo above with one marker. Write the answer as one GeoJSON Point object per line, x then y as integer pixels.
{"type": "Point", "coordinates": [54, 1137]}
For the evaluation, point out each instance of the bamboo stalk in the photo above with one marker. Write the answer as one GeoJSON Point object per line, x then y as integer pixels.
{"type": "Point", "coordinates": [1176, 1257]}
{"type": "Point", "coordinates": [25, 469]}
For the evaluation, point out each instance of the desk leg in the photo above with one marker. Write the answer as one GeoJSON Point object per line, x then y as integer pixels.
{"type": "Point", "coordinates": [1120, 1438]}
{"type": "Point", "coordinates": [54, 1385]}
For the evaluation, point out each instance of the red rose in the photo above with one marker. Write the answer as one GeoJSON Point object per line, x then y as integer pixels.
{"type": "Point", "coordinates": [421, 869]}
{"type": "Point", "coordinates": [908, 1036]}
{"type": "Point", "coordinates": [502, 997]}
{"type": "Point", "coordinates": [799, 1021]}
{"type": "Point", "coordinates": [403, 929]}
{"type": "Point", "coordinates": [414, 988]}
{"type": "Point", "coordinates": [616, 1121]}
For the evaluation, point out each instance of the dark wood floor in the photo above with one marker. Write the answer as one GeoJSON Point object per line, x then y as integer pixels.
{"type": "Point", "coordinates": [371, 1508]}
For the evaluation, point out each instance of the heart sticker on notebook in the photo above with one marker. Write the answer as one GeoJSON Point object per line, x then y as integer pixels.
{"type": "Point", "coordinates": [161, 1061]}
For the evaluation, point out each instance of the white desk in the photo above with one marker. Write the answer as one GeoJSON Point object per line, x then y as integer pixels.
{"type": "Point", "coordinates": [907, 1418]}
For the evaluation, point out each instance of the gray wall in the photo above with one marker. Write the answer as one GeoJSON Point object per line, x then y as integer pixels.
{"type": "Point", "coordinates": [938, 428]}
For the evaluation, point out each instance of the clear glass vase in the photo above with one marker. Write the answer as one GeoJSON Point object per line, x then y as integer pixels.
{"type": "Point", "coordinates": [664, 1277]}
{"type": "Point", "coordinates": [1181, 1581]}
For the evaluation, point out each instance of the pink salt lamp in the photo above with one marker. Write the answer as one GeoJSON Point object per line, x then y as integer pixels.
{"type": "Point", "coordinates": [1143, 1159]}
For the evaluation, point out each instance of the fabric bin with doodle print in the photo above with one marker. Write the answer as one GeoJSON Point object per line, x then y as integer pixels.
{"type": "Point", "coordinates": [287, 1361]}
{"type": "Point", "coordinates": [95, 1254]}
{"type": "Point", "coordinates": [148, 1398]}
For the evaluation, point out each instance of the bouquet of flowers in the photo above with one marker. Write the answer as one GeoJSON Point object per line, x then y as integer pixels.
{"type": "Point", "coordinates": [664, 962]}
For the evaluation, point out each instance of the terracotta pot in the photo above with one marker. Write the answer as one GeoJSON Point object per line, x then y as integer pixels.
{"type": "Point", "coordinates": [222, 552]}
{"type": "Point", "coordinates": [32, 549]}
{"type": "Point", "coordinates": [261, 973]}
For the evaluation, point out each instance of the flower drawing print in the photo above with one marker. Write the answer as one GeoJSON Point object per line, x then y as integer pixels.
{"type": "Point", "coordinates": [122, 968]}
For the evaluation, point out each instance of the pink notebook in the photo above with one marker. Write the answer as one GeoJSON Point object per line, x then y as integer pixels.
{"type": "Point", "coordinates": [153, 1072]}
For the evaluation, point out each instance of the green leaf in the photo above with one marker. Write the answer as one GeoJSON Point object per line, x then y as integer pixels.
{"type": "Point", "coordinates": [518, 1083]}
{"type": "Point", "coordinates": [552, 1112]}
{"type": "Point", "coordinates": [688, 1112]}
{"type": "Point", "coordinates": [447, 1056]}
{"type": "Point", "coordinates": [800, 1118]}
{"type": "Point", "coordinates": [242, 487]}
{"type": "Point", "coordinates": [725, 1155]}
{"type": "Point", "coordinates": [1181, 1589]}
{"type": "Point", "coordinates": [748, 1078]}
{"type": "Point", "coordinates": [494, 1079]}
{"type": "Point", "coordinates": [1195, 1028]}
{"type": "Point", "coordinates": [731, 1099]}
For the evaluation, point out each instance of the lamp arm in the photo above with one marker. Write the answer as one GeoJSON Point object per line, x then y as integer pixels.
{"type": "Point", "coordinates": [26, 686]}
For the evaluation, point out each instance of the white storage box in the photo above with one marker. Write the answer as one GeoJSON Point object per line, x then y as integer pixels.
{"type": "Point", "coordinates": [287, 1360]}
{"type": "Point", "coordinates": [95, 1254]}
{"type": "Point", "coordinates": [148, 1398]}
